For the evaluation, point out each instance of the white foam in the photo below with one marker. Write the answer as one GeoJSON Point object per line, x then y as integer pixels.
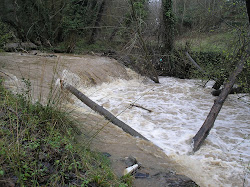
{"type": "Point", "coordinates": [179, 108]}
{"type": "Point", "coordinates": [69, 77]}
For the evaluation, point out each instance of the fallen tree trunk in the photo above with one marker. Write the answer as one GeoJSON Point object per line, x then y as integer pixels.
{"type": "Point", "coordinates": [194, 63]}
{"type": "Point", "coordinates": [97, 108]}
{"type": "Point", "coordinates": [209, 122]}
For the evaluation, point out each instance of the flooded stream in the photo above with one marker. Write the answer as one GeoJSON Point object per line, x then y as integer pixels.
{"type": "Point", "coordinates": [179, 108]}
{"type": "Point", "coordinates": [170, 115]}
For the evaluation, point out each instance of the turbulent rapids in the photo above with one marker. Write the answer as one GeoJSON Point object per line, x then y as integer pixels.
{"type": "Point", "coordinates": [179, 108]}
{"type": "Point", "coordinates": [170, 114]}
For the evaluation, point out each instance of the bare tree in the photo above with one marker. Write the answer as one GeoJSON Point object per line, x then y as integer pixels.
{"type": "Point", "coordinates": [149, 67]}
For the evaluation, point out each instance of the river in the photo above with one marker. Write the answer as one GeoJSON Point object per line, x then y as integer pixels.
{"type": "Point", "coordinates": [179, 108]}
{"type": "Point", "coordinates": [176, 109]}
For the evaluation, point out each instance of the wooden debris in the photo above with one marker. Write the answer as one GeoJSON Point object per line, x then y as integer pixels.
{"type": "Point", "coordinates": [97, 108]}
{"type": "Point", "coordinates": [135, 105]}
{"type": "Point", "coordinates": [209, 122]}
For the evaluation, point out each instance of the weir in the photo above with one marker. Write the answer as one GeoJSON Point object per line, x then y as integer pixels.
{"type": "Point", "coordinates": [178, 109]}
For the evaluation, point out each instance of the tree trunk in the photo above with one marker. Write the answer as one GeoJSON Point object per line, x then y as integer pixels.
{"type": "Point", "coordinates": [169, 24]}
{"type": "Point", "coordinates": [209, 122]}
{"type": "Point", "coordinates": [183, 14]}
{"type": "Point", "coordinates": [152, 73]}
{"type": "Point", "coordinates": [248, 9]}
{"type": "Point", "coordinates": [94, 106]}
{"type": "Point", "coordinates": [96, 23]}
{"type": "Point", "coordinates": [116, 29]}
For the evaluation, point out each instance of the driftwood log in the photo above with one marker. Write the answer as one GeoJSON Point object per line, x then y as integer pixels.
{"type": "Point", "coordinates": [97, 108]}
{"type": "Point", "coordinates": [209, 122]}
{"type": "Point", "coordinates": [138, 106]}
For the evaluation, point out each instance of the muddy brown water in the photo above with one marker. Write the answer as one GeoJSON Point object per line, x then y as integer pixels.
{"type": "Point", "coordinates": [43, 71]}
{"type": "Point", "coordinates": [178, 109]}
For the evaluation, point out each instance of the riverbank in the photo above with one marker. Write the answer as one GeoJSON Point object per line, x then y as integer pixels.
{"type": "Point", "coordinates": [178, 109]}
{"type": "Point", "coordinates": [42, 72]}
{"type": "Point", "coordinates": [38, 147]}
{"type": "Point", "coordinates": [157, 169]}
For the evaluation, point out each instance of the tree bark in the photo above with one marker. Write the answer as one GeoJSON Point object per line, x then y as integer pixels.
{"type": "Point", "coordinates": [97, 21]}
{"type": "Point", "coordinates": [97, 108]}
{"type": "Point", "coordinates": [209, 122]}
{"type": "Point", "coordinates": [248, 9]}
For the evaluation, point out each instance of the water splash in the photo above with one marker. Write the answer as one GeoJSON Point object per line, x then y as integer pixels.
{"type": "Point", "coordinates": [179, 108]}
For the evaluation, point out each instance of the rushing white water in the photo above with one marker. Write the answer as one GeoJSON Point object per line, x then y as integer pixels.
{"type": "Point", "coordinates": [179, 108]}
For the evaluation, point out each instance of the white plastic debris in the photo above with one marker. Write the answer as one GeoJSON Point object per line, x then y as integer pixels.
{"type": "Point", "coordinates": [130, 169]}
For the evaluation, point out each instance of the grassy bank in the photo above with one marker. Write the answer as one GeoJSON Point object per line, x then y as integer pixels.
{"type": "Point", "coordinates": [37, 148]}
{"type": "Point", "coordinates": [213, 41]}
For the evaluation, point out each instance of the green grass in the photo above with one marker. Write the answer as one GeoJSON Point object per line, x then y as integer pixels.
{"type": "Point", "coordinates": [38, 148]}
{"type": "Point", "coordinates": [212, 41]}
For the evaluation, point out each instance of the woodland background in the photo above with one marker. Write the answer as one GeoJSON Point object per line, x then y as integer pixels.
{"type": "Point", "coordinates": [149, 36]}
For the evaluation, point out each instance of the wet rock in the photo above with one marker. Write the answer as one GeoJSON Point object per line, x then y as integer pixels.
{"type": "Point", "coordinates": [28, 45]}
{"type": "Point", "coordinates": [35, 52]}
{"type": "Point", "coordinates": [139, 175]}
{"type": "Point", "coordinates": [50, 55]}
{"type": "Point", "coordinates": [109, 53]}
{"type": "Point", "coordinates": [130, 161]}
{"type": "Point", "coordinates": [173, 180]}
{"type": "Point", "coordinates": [233, 91]}
{"type": "Point", "coordinates": [12, 47]}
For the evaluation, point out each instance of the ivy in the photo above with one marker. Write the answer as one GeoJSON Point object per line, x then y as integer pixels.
{"type": "Point", "coordinates": [140, 9]}
{"type": "Point", "coordinates": [169, 21]}
{"type": "Point", "coordinates": [78, 15]}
